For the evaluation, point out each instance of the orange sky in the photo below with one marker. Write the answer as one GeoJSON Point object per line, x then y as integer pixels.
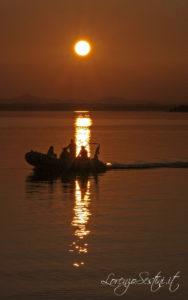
{"type": "Point", "coordinates": [139, 49]}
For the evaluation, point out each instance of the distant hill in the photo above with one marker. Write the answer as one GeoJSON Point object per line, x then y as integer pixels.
{"type": "Point", "coordinates": [29, 102]}
{"type": "Point", "coordinates": [180, 108]}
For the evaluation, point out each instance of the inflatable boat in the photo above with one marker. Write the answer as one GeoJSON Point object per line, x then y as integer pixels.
{"type": "Point", "coordinates": [44, 162]}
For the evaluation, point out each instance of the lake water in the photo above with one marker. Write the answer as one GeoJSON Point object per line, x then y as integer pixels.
{"type": "Point", "coordinates": [61, 237]}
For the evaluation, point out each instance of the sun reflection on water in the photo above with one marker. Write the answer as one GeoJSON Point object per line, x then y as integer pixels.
{"type": "Point", "coordinates": [80, 220]}
{"type": "Point", "coordinates": [82, 194]}
{"type": "Point", "coordinates": [82, 213]}
{"type": "Point", "coordinates": [83, 124]}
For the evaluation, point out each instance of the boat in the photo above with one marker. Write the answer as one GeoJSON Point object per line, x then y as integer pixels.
{"type": "Point", "coordinates": [44, 162]}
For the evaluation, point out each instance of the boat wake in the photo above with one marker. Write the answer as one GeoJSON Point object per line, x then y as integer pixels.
{"type": "Point", "coordinates": [147, 165]}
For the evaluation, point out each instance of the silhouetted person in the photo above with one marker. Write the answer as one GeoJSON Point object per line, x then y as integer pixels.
{"type": "Point", "coordinates": [72, 149]}
{"type": "Point", "coordinates": [83, 153]}
{"type": "Point", "coordinates": [65, 155]}
{"type": "Point", "coordinates": [51, 153]}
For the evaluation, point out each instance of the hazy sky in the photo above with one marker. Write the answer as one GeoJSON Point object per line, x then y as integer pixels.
{"type": "Point", "coordinates": [140, 49]}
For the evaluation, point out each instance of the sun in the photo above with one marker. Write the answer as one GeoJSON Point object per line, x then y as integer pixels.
{"type": "Point", "coordinates": [82, 48]}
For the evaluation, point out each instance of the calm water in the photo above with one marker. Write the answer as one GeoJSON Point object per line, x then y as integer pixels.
{"type": "Point", "coordinates": [60, 237]}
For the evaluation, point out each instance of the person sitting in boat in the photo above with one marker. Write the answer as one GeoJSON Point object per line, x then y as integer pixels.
{"type": "Point", "coordinates": [97, 152]}
{"type": "Point", "coordinates": [65, 155]}
{"type": "Point", "coordinates": [51, 153]}
{"type": "Point", "coordinates": [83, 153]}
{"type": "Point", "coordinates": [72, 149]}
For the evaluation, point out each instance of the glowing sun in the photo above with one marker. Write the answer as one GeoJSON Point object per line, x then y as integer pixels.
{"type": "Point", "coordinates": [82, 48]}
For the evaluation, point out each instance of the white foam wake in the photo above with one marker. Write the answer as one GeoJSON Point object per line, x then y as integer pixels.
{"type": "Point", "coordinates": [148, 165]}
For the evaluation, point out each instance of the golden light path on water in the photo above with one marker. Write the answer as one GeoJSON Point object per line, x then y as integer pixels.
{"type": "Point", "coordinates": [81, 217]}
{"type": "Point", "coordinates": [83, 124]}
{"type": "Point", "coordinates": [82, 195]}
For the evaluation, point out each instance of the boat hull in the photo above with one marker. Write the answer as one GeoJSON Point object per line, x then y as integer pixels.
{"type": "Point", "coordinates": [43, 162]}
